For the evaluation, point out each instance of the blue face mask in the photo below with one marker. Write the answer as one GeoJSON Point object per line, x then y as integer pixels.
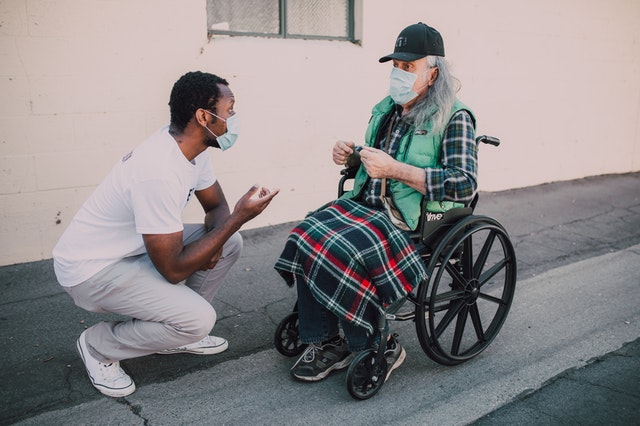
{"type": "Point", "coordinates": [226, 140]}
{"type": "Point", "coordinates": [401, 87]}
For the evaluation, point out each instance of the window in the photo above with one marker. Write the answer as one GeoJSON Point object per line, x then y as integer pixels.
{"type": "Point", "coordinates": [317, 19]}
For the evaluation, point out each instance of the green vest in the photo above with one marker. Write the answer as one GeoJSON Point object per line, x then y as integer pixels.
{"type": "Point", "coordinates": [420, 148]}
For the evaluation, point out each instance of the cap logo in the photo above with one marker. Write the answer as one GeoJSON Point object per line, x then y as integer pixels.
{"type": "Point", "coordinates": [401, 42]}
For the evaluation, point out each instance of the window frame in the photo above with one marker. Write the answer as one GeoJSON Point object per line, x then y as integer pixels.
{"type": "Point", "coordinates": [283, 34]}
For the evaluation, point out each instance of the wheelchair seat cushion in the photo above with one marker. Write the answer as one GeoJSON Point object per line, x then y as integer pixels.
{"type": "Point", "coordinates": [354, 260]}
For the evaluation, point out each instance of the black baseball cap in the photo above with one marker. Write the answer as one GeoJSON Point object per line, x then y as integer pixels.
{"type": "Point", "coordinates": [415, 42]}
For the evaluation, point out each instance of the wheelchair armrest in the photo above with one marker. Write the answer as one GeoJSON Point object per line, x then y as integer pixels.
{"type": "Point", "coordinates": [349, 172]}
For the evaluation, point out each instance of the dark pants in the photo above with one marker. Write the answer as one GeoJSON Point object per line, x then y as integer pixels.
{"type": "Point", "coordinates": [316, 323]}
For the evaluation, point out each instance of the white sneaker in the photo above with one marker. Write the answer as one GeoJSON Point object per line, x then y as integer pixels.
{"type": "Point", "coordinates": [109, 379]}
{"type": "Point", "coordinates": [210, 345]}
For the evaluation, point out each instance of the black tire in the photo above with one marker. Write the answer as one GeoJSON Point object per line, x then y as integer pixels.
{"type": "Point", "coordinates": [287, 339]}
{"type": "Point", "coordinates": [365, 377]}
{"type": "Point", "coordinates": [471, 284]}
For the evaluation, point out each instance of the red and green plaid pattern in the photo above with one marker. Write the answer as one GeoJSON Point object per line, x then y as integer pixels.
{"type": "Point", "coordinates": [353, 259]}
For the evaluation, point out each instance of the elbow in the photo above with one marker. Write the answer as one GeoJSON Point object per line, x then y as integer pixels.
{"type": "Point", "coordinates": [468, 199]}
{"type": "Point", "coordinates": [465, 192]}
{"type": "Point", "coordinates": [170, 266]}
{"type": "Point", "coordinates": [174, 280]}
{"type": "Point", "coordinates": [473, 190]}
{"type": "Point", "coordinates": [173, 277]}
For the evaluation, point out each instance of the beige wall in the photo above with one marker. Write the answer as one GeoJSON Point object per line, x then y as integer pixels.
{"type": "Point", "coordinates": [82, 81]}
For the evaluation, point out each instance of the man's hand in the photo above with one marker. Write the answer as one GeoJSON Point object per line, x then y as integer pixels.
{"type": "Point", "coordinates": [341, 152]}
{"type": "Point", "coordinates": [378, 163]}
{"type": "Point", "coordinates": [253, 202]}
{"type": "Point", "coordinates": [176, 262]}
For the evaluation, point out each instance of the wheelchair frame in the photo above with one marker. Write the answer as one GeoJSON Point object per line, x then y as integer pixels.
{"type": "Point", "coordinates": [458, 310]}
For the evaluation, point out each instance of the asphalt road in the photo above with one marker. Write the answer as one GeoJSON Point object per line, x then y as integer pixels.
{"type": "Point", "coordinates": [577, 300]}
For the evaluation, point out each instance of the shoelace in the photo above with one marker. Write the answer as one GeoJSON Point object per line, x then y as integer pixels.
{"type": "Point", "coordinates": [111, 371]}
{"type": "Point", "coordinates": [310, 353]}
{"type": "Point", "coordinates": [208, 340]}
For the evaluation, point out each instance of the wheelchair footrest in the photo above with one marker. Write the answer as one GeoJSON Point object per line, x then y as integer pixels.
{"type": "Point", "coordinates": [401, 316]}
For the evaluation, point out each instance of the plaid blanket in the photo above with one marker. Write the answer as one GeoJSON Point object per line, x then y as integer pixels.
{"type": "Point", "coordinates": [353, 259]}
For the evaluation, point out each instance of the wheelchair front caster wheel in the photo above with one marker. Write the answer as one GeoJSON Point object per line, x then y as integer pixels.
{"type": "Point", "coordinates": [287, 339]}
{"type": "Point", "coordinates": [365, 377]}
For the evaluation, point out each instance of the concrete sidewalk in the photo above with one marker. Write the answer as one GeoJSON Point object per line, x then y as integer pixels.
{"type": "Point", "coordinates": [552, 226]}
{"type": "Point", "coordinates": [606, 391]}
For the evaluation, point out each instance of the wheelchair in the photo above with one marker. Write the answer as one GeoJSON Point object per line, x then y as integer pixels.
{"type": "Point", "coordinates": [458, 310]}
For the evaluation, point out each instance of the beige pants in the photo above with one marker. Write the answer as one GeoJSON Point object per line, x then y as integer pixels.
{"type": "Point", "coordinates": [163, 315]}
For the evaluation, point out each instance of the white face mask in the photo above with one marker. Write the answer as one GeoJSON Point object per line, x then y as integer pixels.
{"type": "Point", "coordinates": [401, 86]}
{"type": "Point", "coordinates": [226, 140]}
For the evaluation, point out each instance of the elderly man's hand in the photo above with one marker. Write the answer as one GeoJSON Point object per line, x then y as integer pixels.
{"type": "Point", "coordinates": [341, 152]}
{"type": "Point", "coordinates": [378, 163]}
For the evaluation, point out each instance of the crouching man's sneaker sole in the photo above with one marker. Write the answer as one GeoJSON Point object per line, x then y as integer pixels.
{"type": "Point", "coordinates": [210, 345]}
{"type": "Point", "coordinates": [109, 379]}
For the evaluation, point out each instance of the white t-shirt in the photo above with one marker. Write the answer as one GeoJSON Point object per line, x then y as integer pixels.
{"type": "Point", "coordinates": [145, 193]}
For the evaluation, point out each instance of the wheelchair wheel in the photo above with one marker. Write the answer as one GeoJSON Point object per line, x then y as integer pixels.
{"type": "Point", "coordinates": [286, 339]}
{"type": "Point", "coordinates": [365, 377]}
{"type": "Point", "coordinates": [471, 284]}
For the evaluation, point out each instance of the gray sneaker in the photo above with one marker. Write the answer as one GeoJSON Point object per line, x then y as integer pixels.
{"type": "Point", "coordinates": [395, 354]}
{"type": "Point", "coordinates": [317, 361]}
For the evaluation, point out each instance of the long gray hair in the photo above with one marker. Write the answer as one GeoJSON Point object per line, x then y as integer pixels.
{"type": "Point", "coordinates": [436, 105]}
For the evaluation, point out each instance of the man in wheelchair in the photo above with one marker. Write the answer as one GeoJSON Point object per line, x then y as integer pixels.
{"type": "Point", "coordinates": [353, 257]}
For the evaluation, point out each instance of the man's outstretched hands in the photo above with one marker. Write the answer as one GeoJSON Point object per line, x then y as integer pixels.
{"type": "Point", "coordinates": [254, 202]}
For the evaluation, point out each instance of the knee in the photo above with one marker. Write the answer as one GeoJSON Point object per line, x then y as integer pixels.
{"type": "Point", "coordinates": [208, 318]}
{"type": "Point", "coordinates": [201, 319]}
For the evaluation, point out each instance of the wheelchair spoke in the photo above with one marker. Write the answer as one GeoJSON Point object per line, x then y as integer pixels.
{"type": "Point", "coordinates": [490, 298]}
{"type": "Point", "coordinates": [491, 272]}
{"type": "Point", "coordinates": [455, 275]}
{"type": "Point", "coordinates": [454, 310]}
{"type": "Point", "coordinates": [484, 254]}
{"type": "Point", "coordinates": [474, 312]}
{"type": "Point", "coordinates": [448, 296]}
{"type": "Point", "coordinates": [459, 331]}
